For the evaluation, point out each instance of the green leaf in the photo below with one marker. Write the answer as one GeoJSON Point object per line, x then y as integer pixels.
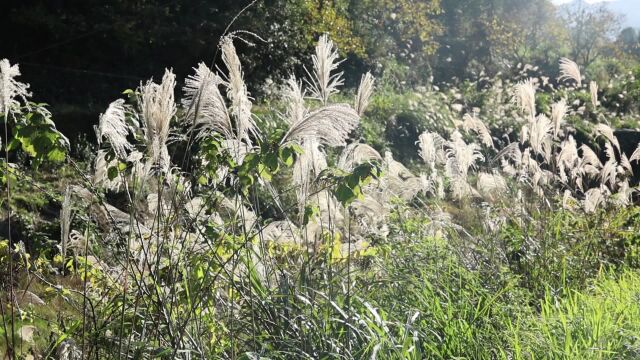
{"type": "Point", "coordinates": [309, 213]}
{"type": "Point", "coordinates": [344, 194]}
{"type": "Point", "coordinates": [112, 172]}
{"type": "Point", "coordinates": [264, 172]}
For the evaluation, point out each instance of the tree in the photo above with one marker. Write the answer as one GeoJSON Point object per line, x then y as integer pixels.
{"type": "Point", "coordinates": [629, 41]}
{"type": "Point", "coordinates": [591, 30]}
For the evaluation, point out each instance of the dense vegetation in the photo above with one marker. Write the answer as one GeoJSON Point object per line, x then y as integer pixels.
{"type": "Point", "coordinates": [485, 209]}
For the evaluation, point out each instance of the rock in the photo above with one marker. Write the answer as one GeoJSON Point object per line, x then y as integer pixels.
{"type": "Point", "coordinates": [26, 332]}
{"type": "Point", "coordinates": [25, 297]}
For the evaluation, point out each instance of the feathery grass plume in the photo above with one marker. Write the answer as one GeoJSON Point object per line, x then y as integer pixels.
{"type": "Point", "coordinates": [206, 108]}
{"type": "Point", "coordinates": [593, 90]}
{"type": "Point", "coordinates": [531, 166]}
{"type": "Point", "coordinates": [237, 92]}
{"type": "Point", "coordinates": [607, 132]}
{"type": "Point", "coordinates": [525, 96]}
{"type": "Point", "coordinates": [330, 125]}
{"type": "Point", "coordinates": [355, 154]}
{"type": "Point", "coordinates": [626, 164]}
{"type": "Point", "coordinates": [461, 156]}
{"type": "Point", "coordinates": [431, 147]}
{"type": "Point", "coordinates": [511, 151]}
{"type": "Point", "coordinates": [294, 96]}
{"type": "Point", "coordinates": [325, 61]}
{"type": "Point", "coordinates": [471, 122]}
{"type": "Point", "coordinates": [624, 195]}
{"type": "Point", "coordinates": [491, 185]}
{"type": "Point", "coordinates": [413, 186]}
{"type": "Point", "coordinates": [10, 88]}
{"type": "Point", "coordinates": [636, 154]}
{"type": "Point", "coordinates": [113, 126]}
{"type": "Point", "coordinates": [593, 198]}
{"type": "Point", "coordinates": [460, 188]}
{"type": "Point", "coordinates": [539, 136]}
{"type": "Point", "coordinates": [558, 112]}
{"type": "Point", "coordinates": [609, 173]}
{"type": "Point", "coordinates": [65, 221]}
{"type": "Point", "coordinates": [307, 167]}
{"type": "Point", "coordinates": [364, 93]}
{"type": "Point", "coordinates": [589, 157]}
{"type": "Point", "coordinates": [569, 70]}
{"type": "Point", "coordinates": [158, 107]}
{"type": "Point", "coordinates": [567, 158]}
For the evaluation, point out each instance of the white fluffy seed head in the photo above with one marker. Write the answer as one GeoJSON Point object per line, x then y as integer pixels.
{"type": "Point", "coordinates": [364, 93]}
{"type": "Point", "coordinates": [113, 127]}
{"type": "Point", "coordinates": [593, 90]}
{"type": "Point", "coordinates": [237, 92]}
{"type": "Point", "coordinates": [294, 97]}
{"type": "Point", "coordinates": [525, 96]}
{"type": "Point", "coordinates": [355, 154]}
{"type": "Point", "coordinates": [558, 112]}
{"type": "Point", "coordinates": [206, 108]}
{"type": "Point", "coordinates": [10, 88]}
{"type": "Point", "coordinates": [330, 125]}
{"type": "Point", "coordinates": [324, 82]}
{"type": "Point", "coordinates": [158, 107]}
{"type": "Point", "coordinates": [471, 122]}
{"type": "Point", "coordinates": [605, 131]}
{"type": "Point", "coordinates": [569, 70]}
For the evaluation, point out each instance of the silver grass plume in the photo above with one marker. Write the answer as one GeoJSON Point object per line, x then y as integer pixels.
{"type": "Point", "coordinates": [569, 70]}
{"type": "Point", "coordinates": [307, 166]}
{"type": "Point", "coordinates": [626, 164]}
{"type": "Point", "coordinates": [605, 131]}
{"type": "Point", "coordinates": [330, 125]}
{"type": "Point", "coordinates": [593, 90]}
{"type": "Point", "coordinates": [460, 188]}
{"type": "Point", "coordinates": [593, 198]}
{"type": "Point", "coordinates": [323, 81]}
{"type": "Point", "coordinates": [113, 126]}
{"type": "Point", "coordinates": [10, 88]}
{"type": "Point", "coordinates": [158, 107]}
{"type": "Point", "coordinates": [558, 112]}
{"type": "Point", "coordinates": [471, 122]}
{"type": "Point", "coordinates": [636, 154]}
{"type": "Point", "coordinates": [461, 156]}
{"type": "Point", "coordinates": [609, 171]}
{"type": "Point", "coordinates": [294, 96]}
{"type": "Point", "coordinates": [491, 185]}
{"type": "Point", "coordinates": [237, 92]}
{"type": "Point", "coordinates": [590, 157]}
{"type": "Point", "coordinates": [525, 95]}
{"type": "Point", "coordinates": [539, 136]}
{"type": "Point", "coordinates": [568, 158]}
{"type": "Point", "coordinates": [355, 154]}
{"type": "Point", "coordinates": [590, 163]}
{"type": "Point", "coordinates": [206, 108]}
{"type": "Point", "coordinates": [364, 93]}
{"type": "Point", "coordinates": [431, 147]}
{"type": "Point", "coordinates": [624, 195]}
